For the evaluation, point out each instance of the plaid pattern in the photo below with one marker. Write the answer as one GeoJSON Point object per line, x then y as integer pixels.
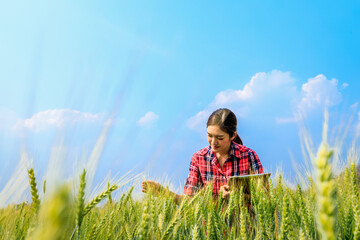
{"type": "Point", "coordinates": [205, 168]}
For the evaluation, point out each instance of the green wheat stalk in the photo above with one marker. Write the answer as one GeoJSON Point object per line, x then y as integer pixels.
{"type": "Point", "coordinates": [325, 185]}
{"type": "Point", "coordinates": [34, 192]}
{"type": "Point", "coordinates": [99, 198]}
{"type": "Point", "coordinates": [145, 222]}
{"type": "Point", "coordinates": [80, 200]}
{"type": "Point", "coordinates": [211, 232]}
{"type": "Point", "coordinates": [195, 232]}
{"type": "Point", "coordinates": [285, 227]}
{"type": "Point", "coordinates": [109, 196]}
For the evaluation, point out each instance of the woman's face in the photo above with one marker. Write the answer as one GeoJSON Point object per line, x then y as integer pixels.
{"type": "Point", "coordinates": [219, 140]}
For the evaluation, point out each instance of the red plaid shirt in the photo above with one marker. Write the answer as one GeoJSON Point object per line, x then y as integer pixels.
{"type": "Point", "coordinates": [205, 168]}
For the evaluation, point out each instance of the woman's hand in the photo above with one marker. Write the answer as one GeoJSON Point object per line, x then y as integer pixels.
{"type": "Point", "coordinates": [156, 189]}
{"type": "Point", "coordinates": [225, 189]}
{"type": "Point", "coordinates": [151, 186]}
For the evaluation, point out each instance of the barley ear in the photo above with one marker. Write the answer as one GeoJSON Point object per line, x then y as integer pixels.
{"type": "Point", "coordinates": [109, 196]}
{"type": "Point", "coordinates": [325, 185]}
{"type": "Point", "coordinates": [34, 192]}
{"type": "Point", "coordinates": [243, 229]}
{"type": "Point", "coordinates": [231, 207]}
{"type": "Point", "coordinates": [285, 227]}
{"type": "Point", "coordinates": [303, 216]}
{"type": "Point", "coordinates": [80, 200]}
{"type": "Point", "coordinates": [99, 198]}
{"type": "Point", "coordinates": [145, 221]}
{"type": "Point", "coordinates": [260, 212]}
{"type": "Point", "coordinates": [100, 226]}
{"type": "Point", "coordinates": [356, 209]}
{"type": "Point", "coordinates": [176, 218]}
{"type": "Point", "coordinates": [195, 232]}
{"type": "Point", "coordinates": [325, 194]}
{"type": "Point", "coordinates": [211, 232]}
{"type": "Point", "coordinates": [354, 177]}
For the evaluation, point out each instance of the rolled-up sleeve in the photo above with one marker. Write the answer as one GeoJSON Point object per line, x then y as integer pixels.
{"type": "Point", "coordinates": [193, 181]}
{"type": "Point", "coordinates": [255, 164]}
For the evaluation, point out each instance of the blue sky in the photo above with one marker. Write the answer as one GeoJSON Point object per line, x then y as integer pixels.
{"type": "Point", "coordinates": [161, 68]}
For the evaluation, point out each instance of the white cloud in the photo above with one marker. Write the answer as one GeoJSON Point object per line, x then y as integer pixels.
{"type": "Point", "coordinates": [344, 85]}
{"type": "Point", "coordinates": [264, 93]}
{"type": "Point", "coordinates": [260, 84]}
{"type": "Point", "coordinates": [55, 118]}
{"type": "Point", "coordinates": [319, 92]}
{"type": "Point", "coordinates": [148, 120]}
{"type": "Point", "coordinates": [198, 120]}
{"type": "Point", "coordinates": [274, 96]}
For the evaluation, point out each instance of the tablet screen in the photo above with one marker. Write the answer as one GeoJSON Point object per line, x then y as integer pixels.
{"type": "Point", "coordinates": [236, 182]}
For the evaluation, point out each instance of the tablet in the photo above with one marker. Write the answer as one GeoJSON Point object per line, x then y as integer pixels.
{"type": "Point", "coordinates": [255, 176]}
{"type": "Point", "coordinates": [244, 180]}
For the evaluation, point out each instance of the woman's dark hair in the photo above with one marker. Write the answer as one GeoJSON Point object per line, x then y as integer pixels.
{"type": "Point", "coordinates": [227, 122]}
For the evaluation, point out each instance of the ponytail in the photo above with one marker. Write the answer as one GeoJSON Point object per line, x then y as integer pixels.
{"type": "Point", "coordinates": [237, 139]}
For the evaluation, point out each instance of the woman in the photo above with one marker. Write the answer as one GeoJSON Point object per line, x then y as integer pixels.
{"type": "Point", "coordinates": [223, 158]}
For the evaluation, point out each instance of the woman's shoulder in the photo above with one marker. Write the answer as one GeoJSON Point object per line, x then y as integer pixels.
{"type": "Point", "coordinates": [202, 152]}
{"type": "Point", "coordinates": [238, 148]}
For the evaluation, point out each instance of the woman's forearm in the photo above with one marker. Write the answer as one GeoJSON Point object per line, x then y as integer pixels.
{"type": "Point", "coordinates": [156, 189]}
{"type": "Point", "coordinates": [177, 197]}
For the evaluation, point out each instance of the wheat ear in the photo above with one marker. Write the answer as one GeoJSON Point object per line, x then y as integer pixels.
{"type": "Point", "coordinates": [325, 193]}
{"type": "Point", "coordinates": [195, 232]}
{"type": "Point", "coordinates": [325, 186]}
{"type": "Point", "coordinates": [109, 196]}
{"type": "Point", "coordinates": [99, 198]}
{"type": "Point", "coordinates": [34, 192]}
{"type": "Point", "coordinates": [285, 228]}
{"type": "Point", "coordinates": [80, 200]}
{"type": "Point", "coordinates": [145, 222]}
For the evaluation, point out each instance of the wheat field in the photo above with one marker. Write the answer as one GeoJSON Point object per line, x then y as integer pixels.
{"type": "Point", "coordinates": [327, 209]}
